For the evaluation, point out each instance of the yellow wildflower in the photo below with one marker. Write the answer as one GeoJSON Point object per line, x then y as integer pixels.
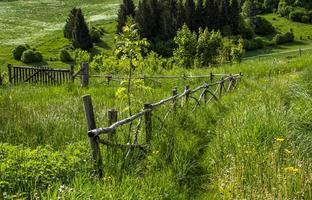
{"type": "Point", "coordinates": [279, 139]}
{"type": "Point", "coordinates": [156, 152]}
{"type": "Point", "coordinates": [288, 151]}
{"type": "Point", "coordinates": [291, 169]}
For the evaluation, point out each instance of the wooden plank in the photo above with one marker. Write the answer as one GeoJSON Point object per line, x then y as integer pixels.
{"type": "Point", "coordinates": [84, 74]}
{"type": "Point", "coordinates": [112, 118]}
{"type": "Point", "coordinates": [96, 153]}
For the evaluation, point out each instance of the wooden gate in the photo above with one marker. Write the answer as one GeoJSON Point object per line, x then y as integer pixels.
{"type": "Point", "coordinates": [44, 75]}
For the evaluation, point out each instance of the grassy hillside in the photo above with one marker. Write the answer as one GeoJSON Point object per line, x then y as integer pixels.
{"type": "Point", "coordinates": [40, 24]}
{"type": "Point", "coordinates": [302, 32]}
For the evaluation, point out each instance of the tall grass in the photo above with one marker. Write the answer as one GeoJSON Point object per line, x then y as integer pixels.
{"type": "Point", "coordinates": [254, 144]}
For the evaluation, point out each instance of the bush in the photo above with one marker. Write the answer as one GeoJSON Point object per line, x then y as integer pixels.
{"type": "Point", "coordinates": [284, 10]}
{"type": "Point", "coordinates": [247, 32]}
{"type": "Point", "coordinates": [284, 38]}
{"type": "Point", "coordinates": [28, 56]}
{"type": "Point", "coordinates": [65, 56]}
{"type": "Point", "coordinates": [263, 26]}
{"type": "Point", "coordinates": [18, 51]}
{"type": "Point", "coordinates": [253, 44]}
{"type": "Point", "coordinates": [95, 35]}
{"type": "Point", "coordinates": [38, 57]}
{"type": "Point", "coordinates": [297, 15]}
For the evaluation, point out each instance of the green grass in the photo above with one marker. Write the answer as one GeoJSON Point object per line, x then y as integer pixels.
{"type": "Point", "coordinates": [227, 150]}
{"type": "Point", "coordinates": [40, 24]}
{"type": "Point", "coordinates": [284, 25]}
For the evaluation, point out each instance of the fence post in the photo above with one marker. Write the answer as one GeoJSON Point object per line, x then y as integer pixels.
{"type": "Point", "coordinates": [300, 52]}
{"type": "Point", "coordinates": [211, 77]}
{"type": "Point", "coordinates": [174, 93]}
{"type": "Point", "coordinates": [148, 123]}
{"type": "Point", "coordinates": [187, 96]}
{"type": "Point", "coordinates": [221, 86]}
{"type": "Point", "coordinates": [72, 73]}
{"type": "Point", "coordinates": [109, 78]}
{"type": "Point", "coordinates": [96, 153]}
{"type": "Point", "coordinates": [1, 78]}
{"type": "Point", "coordinates": [112, 118]}
{"type": "Point", "coordinates": [10, 73]}
{"type": "Point", "coordinates": [84, 74]}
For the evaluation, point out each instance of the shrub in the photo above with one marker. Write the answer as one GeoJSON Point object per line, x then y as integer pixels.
{"type": "Point", "coordinates": [95, 35]}
{"type": "Point", "coordinates": [284, 38]}
{"type": "Point", "coordinates": [64, 55]}
{"type": "Point", "coordinates": [247, 32]}
{"type": "Point", "coordinates": [284, 10]}
{"type": "Point", "coordinates": [28, 56]}
{"type": "Point", "coordinates": [253, 44]}
{"type": "Point", "coordinates": [297, 15]}
{"type": "Point", "coordinates": [263, 26]}
{"type": "Point", "coordinates": [18, 51]}
{"type": "Point", "coordinates": [38, 57]}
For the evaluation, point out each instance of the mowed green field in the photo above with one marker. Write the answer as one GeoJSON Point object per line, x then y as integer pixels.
{"type": "Point", "coordinates": [39, 23]}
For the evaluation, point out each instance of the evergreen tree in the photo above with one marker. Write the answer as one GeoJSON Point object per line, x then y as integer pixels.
{"type": "Point", "coordinates": [126, 9]}
{"type": "Point", "coordinates": [69, 25]}
{"type": "Point", "coordinates": [199, 21]}
{"type": "Point", "coordinates": [235, 17]}
{"type": "Point", "coordinates": [80, 35]}
{"type": "Point", "coordinates": [168, 19]}
{"type": "Point", "coordinates": [211, 14]}
{"type": "Point", "coordinates": [180, 14]}
{"type": "Point", "coordinates": [224, 9]}
{"type": "Point", "coordinates": [190, 15]}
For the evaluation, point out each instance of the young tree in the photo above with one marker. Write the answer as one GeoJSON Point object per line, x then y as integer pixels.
{"type": "Point", "coordinates": [80, 35]}
{"type": "Point", "coordinates": [126, 9]}
{"type": "Point", "coordinates": [180, 14]}
{"type": "Point", "coordinates": [249, 9]}
{"type": "Point", "coordinates": [69, 25]}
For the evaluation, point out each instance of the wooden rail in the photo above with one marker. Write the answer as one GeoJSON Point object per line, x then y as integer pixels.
{"type": "Point", "coordinates": [94, 133]}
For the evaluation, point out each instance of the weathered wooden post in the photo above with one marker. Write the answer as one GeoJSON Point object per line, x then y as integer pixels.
{"type": "Point", "coordinates": [109, 79]}
{"type": "Point", "coordinates": [211, 77]}
{"type": "Point", "coordinates": [205, 94]}
{"type": "Point", "coordinates": [174, 93]}
{"type": "Point", "coordinates": [96, 152]}
{"type": "Point", "coordinates": [1, 78]}
{"type": "Point", "coordinates": [72, 73]}
{"type": "Point", "coordinates": [84, 74]}
{"type": "Point", "coordinates": [300, 52]}
{"type": "Point", "coordinates": [148, 123]}
{"type": "Point", "coordinates": [221, 86]}
{"type": "Point", "coordinates": [112, 118]}
{"type": "Point", "coordinates": [10, 73]}
{"type": "Point", "coordinates": [187, 95]}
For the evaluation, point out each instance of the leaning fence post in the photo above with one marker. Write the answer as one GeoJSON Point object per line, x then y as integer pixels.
{"type": "Point", "coordinates": [84, 74]}
{"type": "Point", "coordinates": [174, 93]}
{"type": "Point", "coordinates": [72, 73]}
{"type": "Point", "coordinates": [211, 77]}
{"type": "Point", "coordinates": [112, 118]}
{"type": "Point", "coordinates": [148, 122]}
{"type": "Point", "coordinates": [96, 153]}
{"type": "Point", "coordinates": [10, 73]}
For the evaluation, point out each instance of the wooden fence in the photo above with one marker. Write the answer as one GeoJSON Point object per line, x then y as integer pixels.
{"type": "Point", "coordinates": [225, 84]}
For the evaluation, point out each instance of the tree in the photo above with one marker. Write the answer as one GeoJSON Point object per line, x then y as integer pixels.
{"type": "Point", "coordinates": [224, 9]}
{"type": "Point", "coordinates": [168, 19]}
{"type": "Point", "coordinates": [211, 14]}
{"type": "Point", "coordinates": [126, 9]}
{"type": "Point", "coordinates": [235, 18]}
{"type": "Point", "coordinates": [69, 25]}
{"type": "Point", "coordinates": [249, 9]}
{"type": "Point", "coordinates": [199, 20]}
{"type": "Point", "coordinates": [80, 35]}
{"type": "Point", "coordinates": [180, 14]}
{"type": "Point", "coordinates": [190, 14]}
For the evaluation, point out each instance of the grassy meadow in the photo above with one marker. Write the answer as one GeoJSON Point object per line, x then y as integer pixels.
{"type": "Point", "coordinates": [255, 143]}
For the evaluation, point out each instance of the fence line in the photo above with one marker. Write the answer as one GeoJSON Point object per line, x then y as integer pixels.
{"type": "Point", "coordinates": [45, 75]}
{"type": "Point", "coordinates": [300, 51]}
{"type": "Point", "coordinates": [94, 133]}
